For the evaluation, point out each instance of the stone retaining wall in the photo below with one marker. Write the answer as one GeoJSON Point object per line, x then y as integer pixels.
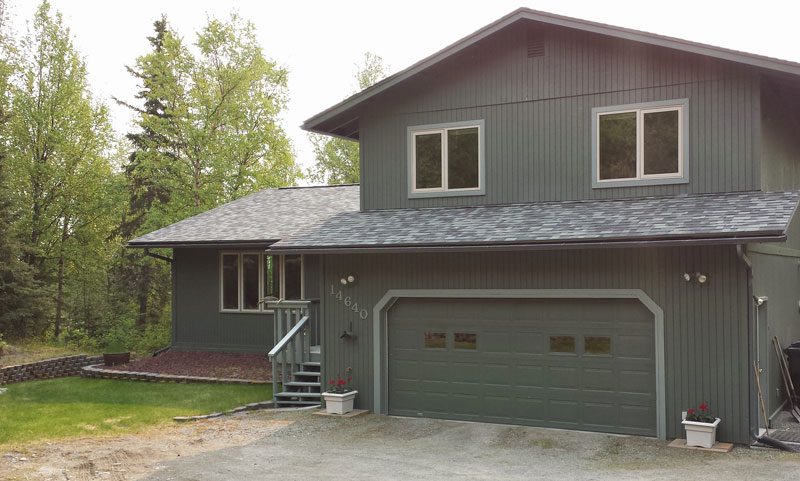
{"type": "Point", "coordinates": [100, 372]}
{"type": "Point", "coordinates": [47, 369]}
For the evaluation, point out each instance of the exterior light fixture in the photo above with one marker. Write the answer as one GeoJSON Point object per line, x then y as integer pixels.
{"type": "Point", "coordinates": [351, 278]}
{"type": "Point", "coordinates": [343, 281]}
{"type": "Point", "coordinates": [697, 276]}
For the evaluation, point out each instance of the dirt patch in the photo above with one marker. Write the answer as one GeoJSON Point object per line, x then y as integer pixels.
{"type": "Point", "coordinates": [205, 364]}
{"type": "Point", "coordinates": [132, 456]}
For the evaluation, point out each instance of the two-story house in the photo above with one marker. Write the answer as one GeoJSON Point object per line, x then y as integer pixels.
{"type": "Point", "coordinates": [560, 223]}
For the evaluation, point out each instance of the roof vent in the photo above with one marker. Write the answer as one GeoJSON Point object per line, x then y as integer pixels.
{"type": "Point", "coordinates": [535, 46]}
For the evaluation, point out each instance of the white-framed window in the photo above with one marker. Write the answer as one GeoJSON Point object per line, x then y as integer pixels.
{"type": "Point", "coordinates": [246, 278]}
{"type": "Point", "coordinates": [446, 159]}
{"type": "Point", "coordinates": [640, 144]}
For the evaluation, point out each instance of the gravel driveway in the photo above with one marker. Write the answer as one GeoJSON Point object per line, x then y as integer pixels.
{"type": "Point", "coordinates": [380, 447]}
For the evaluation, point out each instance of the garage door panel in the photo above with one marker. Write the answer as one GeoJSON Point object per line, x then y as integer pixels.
{"type": "Point", "coordinates": [564, 411]}
{"type": "Point", "coordinates": [563, 377]}
{"type": "Point", "coordinates": [404, 369]}
{"type": "Point", "coordinates": [599, 379]}
{"type": "Point", "coordinates": [600, 414]}
{"type": "Point", "coordinates": [636, 381]}
{"type": "Point", "coordinates": [494, 342]}
{"type": "Point", "coordinates": [636, 416]}
{"type": "Point", "coordinates": [512, 377]}
{"type": "Point", "coordinates": [528, 342]}
{"type": "Point", "coordinates": [634, 346]}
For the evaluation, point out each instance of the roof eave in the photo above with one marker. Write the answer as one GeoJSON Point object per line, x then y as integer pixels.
{"type": "Point", "coordinates": [533, 246]}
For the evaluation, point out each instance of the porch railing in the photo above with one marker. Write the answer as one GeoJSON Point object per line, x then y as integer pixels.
{"type": "Point", "coordinates": [296, 329]}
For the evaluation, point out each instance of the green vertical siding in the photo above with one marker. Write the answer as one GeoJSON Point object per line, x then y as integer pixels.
{"type": "Point", "coordinates": [537, 113]}
{"type": "Point", "coordinates": [198, 322]}
{"type": "Point", "coordinates": [780, 144]}
{"type": "Point", "coordinates": [706, 342]}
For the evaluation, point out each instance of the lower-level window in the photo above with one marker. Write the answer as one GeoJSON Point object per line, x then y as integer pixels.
{"type": "Point", "coordinates": [248, 277]}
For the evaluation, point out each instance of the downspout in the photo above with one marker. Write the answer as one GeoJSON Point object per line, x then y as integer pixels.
{"type": "Point", "coordinates": [741, 251]}
{"type": "Point", "coordinates": [157, 256]}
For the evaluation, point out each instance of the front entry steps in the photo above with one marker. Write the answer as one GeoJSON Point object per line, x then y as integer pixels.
{"type": "Point", "coordinates": [303, 389]}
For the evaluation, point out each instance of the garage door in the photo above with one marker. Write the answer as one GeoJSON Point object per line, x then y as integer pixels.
{"type": "Point", "coordinates": [573, 364]}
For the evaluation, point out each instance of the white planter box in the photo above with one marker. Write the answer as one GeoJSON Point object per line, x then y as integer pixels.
{"type": "Point", "coordinates": [703, 435]}
{"type": "Point", "coordinates": [339, 403]}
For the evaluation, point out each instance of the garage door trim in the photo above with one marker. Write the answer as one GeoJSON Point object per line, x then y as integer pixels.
{"type": "Point", "coordinates": [380, 336]}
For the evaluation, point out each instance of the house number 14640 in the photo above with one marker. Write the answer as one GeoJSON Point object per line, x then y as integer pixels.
{"type": "Point", "coordinates": [348, 302]}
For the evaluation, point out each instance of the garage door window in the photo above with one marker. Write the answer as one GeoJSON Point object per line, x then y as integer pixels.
{"type": "Point", "coordinates": [435, 340]}
{"type": "Point", "coordinates": [564, 344]}
{"type": "Point", "coordinates": [597, 345]}
{"type": "Point", "coordinates": [465, 340]}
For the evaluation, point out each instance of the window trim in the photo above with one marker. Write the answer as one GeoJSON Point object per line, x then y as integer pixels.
{"type": "Point", "coordinates": [443, 191]}
{"type": "Point", "coordinates": [642, 108]}
{"type": "Point", "coordinates": [240, 280]}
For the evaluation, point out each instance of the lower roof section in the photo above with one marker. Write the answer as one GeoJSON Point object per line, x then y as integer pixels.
{"type": "Point", "coordinates": [740, 217]}
{"type": "Point", "coordinates": [256, 220]}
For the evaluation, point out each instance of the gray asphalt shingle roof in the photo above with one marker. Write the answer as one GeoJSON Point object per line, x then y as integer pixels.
{"type": "Point", "coordinates": [265, 216]}
{"type": "Point", "coordinates": [705, 216]}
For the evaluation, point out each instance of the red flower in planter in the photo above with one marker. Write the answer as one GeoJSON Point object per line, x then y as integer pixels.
{"type": "Point", "coordinates": [704, 407]}
{"type": "Point", "coordinates": [690, 411]}
{"type": "Point", "coordinates": [342, 382]}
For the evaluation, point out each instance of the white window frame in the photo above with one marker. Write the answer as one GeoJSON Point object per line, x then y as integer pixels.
{"type": "Point", "coordinates": [641, 178]}
{"type": "Point", "coordinates": [240, 280]}
{"type": "Point", "coordinates": [442, 129]}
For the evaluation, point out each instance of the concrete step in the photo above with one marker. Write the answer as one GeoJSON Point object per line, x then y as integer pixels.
{"type": "Point", "coordinates": [295, 403]}
{"type": "Point", "coordinates": [308, 373]}
{"type": "Point", "coordinates": [301, 384]}
{"type": "Point", "coordinates": [288, 394]}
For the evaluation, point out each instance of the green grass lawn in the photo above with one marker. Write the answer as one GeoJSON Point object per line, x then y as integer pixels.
{"type": "Point", "coordinates": [58, 408]}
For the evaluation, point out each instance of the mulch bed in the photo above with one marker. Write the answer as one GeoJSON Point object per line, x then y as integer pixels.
{"type": "Point", "coordinates": [205, 364]}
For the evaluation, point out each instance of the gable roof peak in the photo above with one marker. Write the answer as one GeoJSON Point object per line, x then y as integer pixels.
{"type": "Point", "coordinates": [345, 119]}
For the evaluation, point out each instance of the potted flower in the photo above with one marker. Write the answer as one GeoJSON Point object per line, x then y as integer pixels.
{"type": "Point", "coordinates": [339, 396]}
{"type": "Point", "coordinates": [701, 427]}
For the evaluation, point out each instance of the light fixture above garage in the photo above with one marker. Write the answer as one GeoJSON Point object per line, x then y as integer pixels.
{"type": "Point", "coordinates": [696, 276]}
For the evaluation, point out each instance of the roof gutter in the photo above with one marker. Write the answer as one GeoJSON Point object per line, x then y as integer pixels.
{"type": "Point", "coordinates": [261, 244]}
{"type": "Point", "coordinates": [525, 247]}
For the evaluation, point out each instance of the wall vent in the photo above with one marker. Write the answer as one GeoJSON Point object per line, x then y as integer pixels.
{"type": "Point", "coordinates": [535, 46]}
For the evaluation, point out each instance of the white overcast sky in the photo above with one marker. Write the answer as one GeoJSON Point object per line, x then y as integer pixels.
{"type": "Point", "coordinates": [320, 42]}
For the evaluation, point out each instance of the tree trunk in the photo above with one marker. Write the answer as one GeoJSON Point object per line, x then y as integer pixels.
{"type": "Point", "coordinates": [144, 294]}
{"type": "Point", "coordinates": [60, 280]}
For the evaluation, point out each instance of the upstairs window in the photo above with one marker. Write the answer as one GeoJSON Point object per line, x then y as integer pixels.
{"type": "Point", "coordinates": [248, 277]}
{"type": "Point", "coordinates": [446, 159]}
{"type": "Point", "coordinates": [639, 144]}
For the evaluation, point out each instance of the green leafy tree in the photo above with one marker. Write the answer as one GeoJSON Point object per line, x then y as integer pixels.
{"type": "Point", "coordinates": [337, 159]}
{"type": "Point", "coordinates": [207, 132]}
{"type": "Point", "coordinates": [19, 291]}
{"type": "Point", "coordinates": [149, 166]}
{"type": "Point", "coordinates": [58, 138]}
